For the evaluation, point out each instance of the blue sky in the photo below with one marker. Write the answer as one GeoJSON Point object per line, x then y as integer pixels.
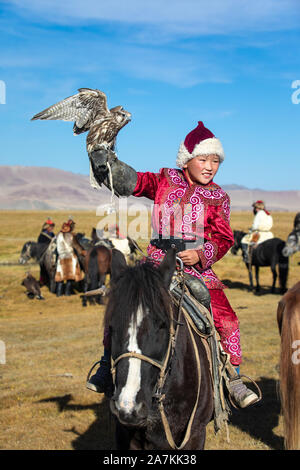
{"type": "Point", "coordinates": [229, 63]}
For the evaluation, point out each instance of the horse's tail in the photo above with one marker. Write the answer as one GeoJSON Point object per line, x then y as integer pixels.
{"type": "Point", "coordinates": [288, 317]}
{"type": "Point", "coordinates": [283, 269]}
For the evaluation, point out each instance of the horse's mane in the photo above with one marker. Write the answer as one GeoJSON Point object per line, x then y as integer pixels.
{"type": "Point", "coordinates": [138, 286]}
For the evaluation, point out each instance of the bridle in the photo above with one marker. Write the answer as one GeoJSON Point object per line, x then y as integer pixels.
{"type": "Point", "coordinates": [165, 365]}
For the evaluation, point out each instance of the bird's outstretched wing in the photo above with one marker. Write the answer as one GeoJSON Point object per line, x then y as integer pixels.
{"type": "Point", "coordinates": [82, 108]}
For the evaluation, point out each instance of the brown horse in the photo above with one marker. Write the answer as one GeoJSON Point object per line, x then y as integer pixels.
{"type": "Point", "coordinates": [288, 319]}
{"type": "Point", "coordinates": [97, 264]}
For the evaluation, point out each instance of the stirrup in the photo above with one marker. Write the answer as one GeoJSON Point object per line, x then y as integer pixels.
{"type": "Point", "coordinates": [91, 370]}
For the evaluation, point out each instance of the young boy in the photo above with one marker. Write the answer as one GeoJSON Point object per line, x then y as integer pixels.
{"type": "Point", "coordinates": [192, 212]}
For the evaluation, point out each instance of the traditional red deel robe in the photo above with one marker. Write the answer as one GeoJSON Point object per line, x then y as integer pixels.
{"type": "Point", "coordinates": [185, 211]}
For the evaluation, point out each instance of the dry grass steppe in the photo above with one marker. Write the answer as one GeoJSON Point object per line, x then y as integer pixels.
{"type": "Point", "coordinates": [51, 344]}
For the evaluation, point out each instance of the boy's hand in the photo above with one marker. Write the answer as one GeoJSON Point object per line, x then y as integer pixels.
{"type": "Point", "coordinates": [189, 257]}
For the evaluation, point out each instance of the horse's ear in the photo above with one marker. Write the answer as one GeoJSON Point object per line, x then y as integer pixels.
{"type": "Point", "coordinates": [168, 266]}
{"type": "Point", "coordinates": [118, 263]}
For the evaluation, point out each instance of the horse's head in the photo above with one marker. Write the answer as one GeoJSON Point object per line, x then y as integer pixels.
{"type": "Point", "coordinates": [292, 244]}
{"type": "Point", "coordinates": [25, 253]}
{"type": "Point", "coordinates": [238, 235]}
{"type": "Point", "coordinates": [138, 313]}
{"type": "Point", "coordinates": [96, 234]}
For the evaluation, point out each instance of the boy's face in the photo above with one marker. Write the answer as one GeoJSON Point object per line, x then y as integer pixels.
{"type": "Point", "coordinates": [202, 168]}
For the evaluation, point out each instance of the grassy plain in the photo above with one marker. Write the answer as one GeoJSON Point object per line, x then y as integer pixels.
{"type": "Point", "coordinates": [50, 346]}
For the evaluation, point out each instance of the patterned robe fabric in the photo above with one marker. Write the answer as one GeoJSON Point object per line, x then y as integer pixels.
{"type": "Point", "coordinates": [45, 237]}
{"type": "Point", "coordinates": [194, 211]}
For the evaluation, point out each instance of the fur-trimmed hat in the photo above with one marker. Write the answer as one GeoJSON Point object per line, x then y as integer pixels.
{"type": "Point", "coordinates": [200, 141]}
{"type": "Point", "coordinates": [49, 221]}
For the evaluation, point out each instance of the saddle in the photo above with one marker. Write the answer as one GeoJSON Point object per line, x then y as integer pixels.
{"type": "Point", "coordinates": [202, 324]}
{"type": "Point", "coordinates": [254, 237]}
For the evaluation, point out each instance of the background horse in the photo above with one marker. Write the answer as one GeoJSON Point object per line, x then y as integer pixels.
{"type": "Point", "coordinates": [126, 245]}
{"type": "Point", "coordinates": [45, 255]}
{"type": "Point", "coordinates": [139, 313]}
{"type": "Point", "coordinates": [288, 319]}
{"type": "Point", "coordinates": [267, 253]}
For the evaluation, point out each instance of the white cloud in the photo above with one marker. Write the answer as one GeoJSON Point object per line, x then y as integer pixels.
{"type": "Point", "coordinates": [192, 17]}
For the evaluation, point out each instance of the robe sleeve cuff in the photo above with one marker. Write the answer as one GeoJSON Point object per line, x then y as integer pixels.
{"type": "Point", "coordinates": [207, 254]}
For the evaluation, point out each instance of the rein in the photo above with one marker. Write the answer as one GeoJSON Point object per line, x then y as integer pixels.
{"type": "Point", "coordinates": [164, 368]}
{"type": "Point", "coordinates": [43, 254]}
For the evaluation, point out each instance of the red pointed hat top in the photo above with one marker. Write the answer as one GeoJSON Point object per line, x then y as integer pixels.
{"type": "Point", "coordinates": [196, 136]}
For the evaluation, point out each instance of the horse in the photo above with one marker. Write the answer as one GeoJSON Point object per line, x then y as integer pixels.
{"type": "Point", "coordinates": [159, 401]}
{"type": "Point", "coordinates": [292, 243]}
{"type": "Point", "coordinates": [288, 320]}
{"type": "Point", "coordinates": [267, 253]}
{"type": "Point", "coordinates": [45, 254]}
{"type": "Point", "coordinates": [97, 263]}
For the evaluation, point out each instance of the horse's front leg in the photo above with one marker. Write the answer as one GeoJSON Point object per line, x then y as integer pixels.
{"type": "Point", "coordinates": [99, 298]}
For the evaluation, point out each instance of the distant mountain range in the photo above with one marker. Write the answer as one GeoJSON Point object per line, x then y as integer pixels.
{"type": "Point", "coordinates": [42, 188]}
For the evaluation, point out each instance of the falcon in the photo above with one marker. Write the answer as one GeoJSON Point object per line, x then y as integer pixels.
{"type": "Point", "coordinates": [88, 109]}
